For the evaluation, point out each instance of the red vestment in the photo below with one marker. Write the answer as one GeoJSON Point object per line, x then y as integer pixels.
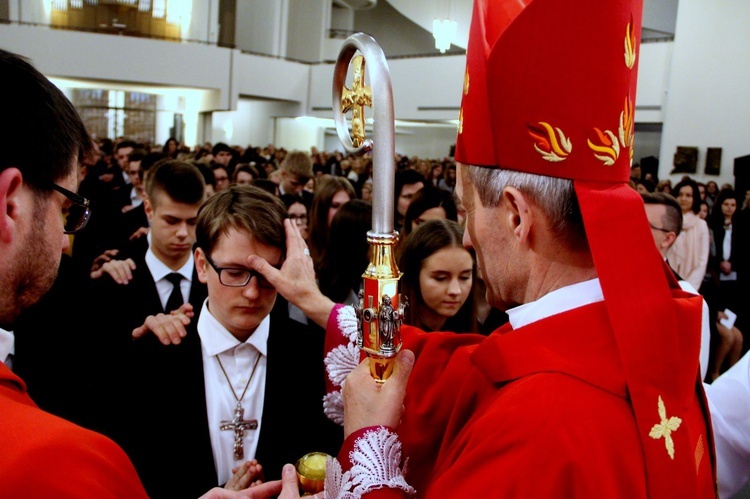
{"type": "Point", "coordinates": [536, 412]}
{"type": "Point", "coordinates": [46, 456]}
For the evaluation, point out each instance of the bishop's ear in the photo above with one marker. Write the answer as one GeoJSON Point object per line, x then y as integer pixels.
{"type": "Point", "coordinates": [519, 215]}
{"type": "Point", "coordinates": [11, 192]}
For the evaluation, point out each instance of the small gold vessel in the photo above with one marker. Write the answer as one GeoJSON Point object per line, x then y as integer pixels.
{"type": "Point", "coordinates": [311, 472]}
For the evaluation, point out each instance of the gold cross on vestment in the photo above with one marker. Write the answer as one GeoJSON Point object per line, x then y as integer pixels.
{"type": "Point", "coordinates": [355, 99]}
{"type": "Point", "coordinates": [665, 428]}
{"type": "Point", "coordinates": [239, 426]}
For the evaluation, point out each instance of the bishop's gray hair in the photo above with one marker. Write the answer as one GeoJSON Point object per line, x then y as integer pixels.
{"type": "Point", "coordinates": [555, 197]}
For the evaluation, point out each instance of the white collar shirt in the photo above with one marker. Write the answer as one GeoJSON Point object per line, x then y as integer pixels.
{"type": "Point", "coordinates": [726, 254]}
{"type": "Point", "coordinates": [7, 347]}
{"type": "Point", "coordinates": [135, 199]}
{"type": "Point", "coordinates": [238, 360]}
{"type": "Point", "coordinates": [556, 302]}
{"type": "Point", "coordinates": [159, 271]}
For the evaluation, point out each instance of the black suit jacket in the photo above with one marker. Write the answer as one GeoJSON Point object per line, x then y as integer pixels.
{"type": "Point", "coordinates": [50, 348]}
{"type": "Point", "coordinates": [117, 311]}
{"type": "Point", "coordinates": [166, 424]}
{"type": "Point", "coordinates": [130, 222]}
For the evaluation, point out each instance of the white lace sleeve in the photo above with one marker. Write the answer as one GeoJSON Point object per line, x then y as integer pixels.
{"type": "Point", "coordinates": [347, 321]}
{"type": "Point", "coordinates": [376, 464]}
{"type": "Point", "coordinates": [340, 362]}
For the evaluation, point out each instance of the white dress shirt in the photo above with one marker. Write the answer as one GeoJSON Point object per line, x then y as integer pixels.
{"type": "Point", "coordinates": [135, 199]}
{"type": "Point", "coordinates": [726, 254]}
{"type": "Point", "coordinates": [558, 301]}
{"type": "Point", "coordinates": [7, 347]}
{"type": "Point", "coordinates": [238, 360]}
{"type": "Point", "coordinates": [729, 404]}
{"type": "Point", "coordinates": [159, 272]}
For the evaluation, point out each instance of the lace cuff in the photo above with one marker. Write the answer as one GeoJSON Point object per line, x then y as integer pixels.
{"type": "Point", "coordinates": [342, 358]}
{"type": "Point", "coordinates": [374, 463]}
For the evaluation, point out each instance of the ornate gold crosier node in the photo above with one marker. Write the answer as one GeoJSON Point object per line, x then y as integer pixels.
{"type": "Point", "coordinates": [381, 308]}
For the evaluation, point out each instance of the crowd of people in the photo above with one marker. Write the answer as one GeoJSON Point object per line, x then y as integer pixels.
{"type": "Point", "coordinates": [710, 252]}
{"type": "Point", "coordinates": [164, 294]}
{"type": "Point", "coordinates": [201, 316]}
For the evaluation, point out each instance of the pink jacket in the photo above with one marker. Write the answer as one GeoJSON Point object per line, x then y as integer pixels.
{"type": "Point", "coordinates": [688, 256]}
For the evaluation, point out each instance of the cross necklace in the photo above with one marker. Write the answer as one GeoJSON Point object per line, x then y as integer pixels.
{"type": "Point", "coordinates": [238, 424]}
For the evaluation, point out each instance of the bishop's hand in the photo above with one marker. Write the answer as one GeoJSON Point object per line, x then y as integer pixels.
{"type": "Point", "coordinates": [295, 280]}
{"type": "Point", "coordinates": [368, 402]}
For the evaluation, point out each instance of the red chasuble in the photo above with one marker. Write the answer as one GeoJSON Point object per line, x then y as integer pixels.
{"type": "Point", "coordinates": [541, 411]}
{"type": "Point", "coordinates": [45, 456]}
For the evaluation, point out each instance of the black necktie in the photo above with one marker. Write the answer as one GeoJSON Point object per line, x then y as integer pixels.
{"type": "Point", "coordinates": [175, 298]}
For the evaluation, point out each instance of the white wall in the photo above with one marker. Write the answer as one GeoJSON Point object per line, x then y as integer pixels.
{"type": "Point", "coordinates": [308, 22]}
{"type": "Point", "coordinates": [203, 24]}
{"type": "Point", "coordinates": [294, 133]}
{"type": "Point", "coordinates": [425, 88]}
{"type": "Point", "coordinates": [268, 77]}
{"type": "Point", "coordinates": [91, 56]}
{"type": "Point", "coordinates": [259, 26]}
{"type": "Point", "coordinates": [424, 141]}
{"type": "Point", "coordinates": [708, 103]}
{"type": "Point", "coordinates": [252, 123]}
{"type": "Point", "coordinates": [653, 79]}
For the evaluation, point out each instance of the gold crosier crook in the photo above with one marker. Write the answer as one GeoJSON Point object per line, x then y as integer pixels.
{"type": "Point", "coordinates": [381, 307]}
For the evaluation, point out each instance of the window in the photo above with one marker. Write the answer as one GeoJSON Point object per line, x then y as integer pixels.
{"type": "Point", "coordinates": [117, 113]}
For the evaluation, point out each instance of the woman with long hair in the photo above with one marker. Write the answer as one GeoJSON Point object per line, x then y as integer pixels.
{"type": "Point", "coordinates": [298, 212]}
{"type": "Point", "coordinates": [438, 280]}
{"type": "Point", "coordinates": [331, 193]}
{"type": "Point", "coordinates": [688, 256]}
{"type": "Point", "coordinates": [723, 264]}
{"type": "Point", "coordinates": [345, 260]}
{"type": "Point", "coordinates": [430, 203]}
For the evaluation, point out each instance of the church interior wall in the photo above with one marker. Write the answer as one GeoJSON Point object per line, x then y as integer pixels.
{"type": "Point", "coordinates": [694, 86]}
{"type": "Point", "coordinates": [708, 104]}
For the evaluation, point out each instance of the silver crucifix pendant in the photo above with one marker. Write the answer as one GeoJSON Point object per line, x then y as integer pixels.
{"type": "Point", "coordinates": [239, 425]}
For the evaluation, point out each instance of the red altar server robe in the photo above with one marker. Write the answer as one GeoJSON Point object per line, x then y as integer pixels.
{"type": "Point", "coordinates": [541, 411]}
{"type": "Point", "coordinates": [45, 456]}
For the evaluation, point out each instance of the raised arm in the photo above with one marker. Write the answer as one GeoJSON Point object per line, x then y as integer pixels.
{"type": "Point", "coordinates": [295, 281]}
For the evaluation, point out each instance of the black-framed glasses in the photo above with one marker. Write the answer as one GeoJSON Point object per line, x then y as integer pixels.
{"type": "Point", "coordinates": [660, 229]}
{"type": "Point", "coordinates": [75, 216]}
{"type": "Point", "coordinates": [237, 278]}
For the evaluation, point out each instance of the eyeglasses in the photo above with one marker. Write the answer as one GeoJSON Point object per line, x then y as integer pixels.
{"type": "Point", "coordinates": [237, 278]}
{"type": "Point", "coordinates": [298, 219]}
{"type": "Point", "coordinates": [75, 216]}
{"type": "Point", "coordinates": [659, 228]}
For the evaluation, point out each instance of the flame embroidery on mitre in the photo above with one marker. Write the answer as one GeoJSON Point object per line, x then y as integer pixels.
{"type": "Point", "coordinates": [630, 45]}
{"type": "Point", "coordinates": [461, 111]}
{"type": "Point", "coordinates": [627, 126]}
{"type": "Point", "coordinates": [550, 142]}
{"type": "Point", "coordinates": [608, 147]}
